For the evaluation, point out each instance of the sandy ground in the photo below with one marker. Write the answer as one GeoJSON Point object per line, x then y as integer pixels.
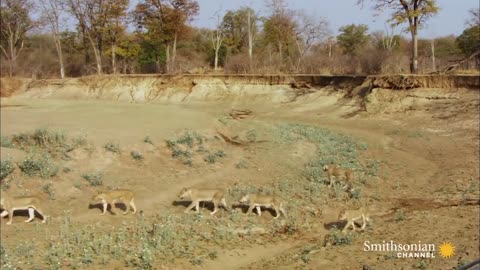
{"type": "Point", "coordinates": [429, 163]}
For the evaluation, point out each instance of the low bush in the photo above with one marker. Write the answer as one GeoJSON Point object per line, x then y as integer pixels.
{"type": "Point", "coordinates": [6, 168]}
{"type": "Point", "coordinates": [112, 147]}
{"type": "Point", "coordinates": [39, 165]}
{"type": "Point", "coordinates": [337, 238]}
{"type": "Point", "coordinates": [138, 156]}
{"type": "Point", "coordinates": [95, 179]}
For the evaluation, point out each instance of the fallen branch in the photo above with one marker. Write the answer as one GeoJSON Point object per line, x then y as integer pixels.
{"type": "Point", "coordinates": [240, 114]}
{"type": "Point", "coordinates": [300, 85]}
{"type": "Point", "coordinates": [453, 67]}
{"type": "Point", "coordinates": [230, 140]}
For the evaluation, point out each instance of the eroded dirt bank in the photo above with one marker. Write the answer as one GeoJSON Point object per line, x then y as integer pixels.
{"type": "Point", "coordinates": [185, 88]}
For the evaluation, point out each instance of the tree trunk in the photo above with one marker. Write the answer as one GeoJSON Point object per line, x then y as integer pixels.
{"type": "Point", "coordinates": [280, 50]}
{"type": "Point", "coordinates": [414, 64]}
{"type": "Point", "coordinates": [98, 59]}
{"type": "Point", "coordinates": [98, 56]}
{"type": "Point", "coordinates": [216, 58]}
{"type": "Point", "coordinates": [167, 56]}
{"type": "Point", "coordinates": [10, 68]}
{"type": "Point", "coordinates": [174, 51]}
{"type": "Point", "coordinates": [157, 64]}
{"type": "Point", "coordinates": [300, 57]}
{"type": "Point", "coordinates": [60, 56]}
{"type": "Point", "coordinates": [11, 63]}
{"type": "Point", "coordinates": [434, 66]}
{"type": "Point", "coordinates": [329, 48]}
{"type": "Point", "coordinates": [114, 64]}
{"type": "Point", "coordinates": [250, 42]}
{"type": "Point", "coordinates": [85, 47]}
{"type": "Point", "coordinates": [250, 52]}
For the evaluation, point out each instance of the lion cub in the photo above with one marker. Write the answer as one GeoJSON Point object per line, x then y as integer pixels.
{"type": "Point", "coordinates": [337, 172]}
{"type": "Point", "coordinates": [353, 215]}
{"type": "Point", "coordinates": [197, 195]}
{"type": "Point", "coordinates": [111, 197]}
{"type": "Point", "coordinates": [30, 203]}
{"type": "Point", "coordinates": [258, 200]}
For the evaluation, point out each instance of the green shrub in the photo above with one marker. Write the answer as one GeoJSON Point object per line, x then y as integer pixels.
{"type": "Point", "coordinates": [177, 153]}
{"type": "Point", "coordinates": [6, 168]}
{"type": "Point", "coordinates": [201, 149]}
{"type": "Point", "coordinates": [220, 153]}
{"type": "Point", "coordinates": [212, 158]}
{"type": "Point", "coordinates": [48, 189]}
{"type": "Point", "coordinates": [242, 164]}
{"type": "Point", "coordinates": [95, 179]}
{"type": "Point", "coordinates": [6, 142]}
{"type": "Point", "coordinates": [39, 165]}
{"type": "Point", "coordinates": [188, 162]}
{"type": "Point", "coordinates": [21, 140]}
{"type": "Point", "coordinates": [80, 141]}
{"type": "Point", "coordinates": [372, 167]}
{"type": "Point", "coordinates": [52, 141]}
{"type": "Point", "coordinates": [148, 140]}
{"type": "Point", "coordinates": [252, 135]}
{"type": "Point", "coordinates": [337, 238]}
{"type": "Point", "coordinates": [196, 261]}
{"type": "Point", "coordinates": [399, 215]}
{"type": "Point", "coordinates": [223, 120]}
{"type": "Point", "coordinates": [188, 139]}
{"type": "Point", "coordinates": [112, 147]}
{"type": "Point", "coordinates": [171, 143]}
{"type": "Point", "coordinates": [137, 155]}
{"type": "Point", "coordinates": [305, 255]}
{"type": "Point", "coordinates": [45, 137]}
{"type": "Point", "coordinates": [356, 193]}
{"type": "Point", "coordinates": [422, 264]}
{"type": "Point", "coordinates": [335, 147]}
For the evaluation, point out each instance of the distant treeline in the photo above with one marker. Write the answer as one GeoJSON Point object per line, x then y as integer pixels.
{"type": "Point", "coordinates": [156, 36]}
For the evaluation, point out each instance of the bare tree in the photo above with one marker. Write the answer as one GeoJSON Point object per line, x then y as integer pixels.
{"type": "Point", "coordinates": [217, 36]}
{"type": "Point", "coordinates": [51, 11]}
{"type": "Point", "coordinates": [434, 65]}
{"type": "Point", "coordinates": [309, 30]}
{"type": "Point", "coordinates": [14, 24]}
{"type": "Point", "coordinates": [474, 19]}
{"type": "Point", "coordinates": [386, 40]}
{"type": "Point", "coordinates": [390, 39]}
{"type": "Point", "coordinates": [331, 43]}
{"type": "Point", "coordinates": [251, 31]}
{"type": "Point", "coordinates": [415, 12]}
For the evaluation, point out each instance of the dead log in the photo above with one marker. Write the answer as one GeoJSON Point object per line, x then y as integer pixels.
{"type": "Point", "coordinates": [240, 114]}
{"type": "Point", "coordinates": [300, 85]}
{"type": "Point", "coordinates": [453, 67]}
{"type": "Point", "coordinates": [230, 140]}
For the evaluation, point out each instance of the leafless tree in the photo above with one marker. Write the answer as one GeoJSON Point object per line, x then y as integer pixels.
{"type": "Point", "coordinates": [309, 30]}
{"type": "Point", "coordinates": [51, 12]}
{"type": "Point", "coordinates": [217, 37]}
{"type": "Point", "coordinates": [474, 19]}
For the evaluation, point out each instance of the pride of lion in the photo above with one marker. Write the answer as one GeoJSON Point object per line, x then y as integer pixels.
{"type": "Point", "coordinates": [216, 196]}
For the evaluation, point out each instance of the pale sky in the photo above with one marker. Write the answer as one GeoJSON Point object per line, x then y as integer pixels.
{"type": "Point", "coordinates": [450, 20]}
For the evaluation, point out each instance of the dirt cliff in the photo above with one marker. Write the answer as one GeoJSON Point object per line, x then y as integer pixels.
{"type": "Point", "coordinates": [366, 93]}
